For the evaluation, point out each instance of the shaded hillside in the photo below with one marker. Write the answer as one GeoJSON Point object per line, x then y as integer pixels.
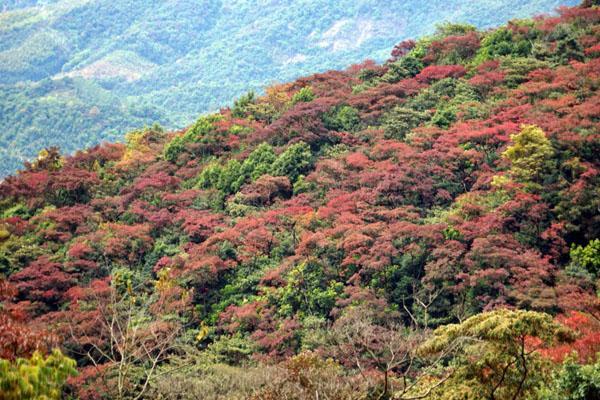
{"type": "Point", "coordinates": [76, 72]}
{"type": "Point", "coordinates": [425, 228]}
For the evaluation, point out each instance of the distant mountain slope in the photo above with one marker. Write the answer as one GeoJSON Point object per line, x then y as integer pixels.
{"type": "Point", "coordinates": [97, 68]}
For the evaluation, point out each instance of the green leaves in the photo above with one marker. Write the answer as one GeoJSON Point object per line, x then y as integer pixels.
{"type": "Point", "coordinates": [401, 120]}
{"type": "Point", "coordinates": [174, 148]}
{"type": "Point", "coordinates": [502, 42]}
{"type": "Point", "coordinates": [342, 118]}
{"type": "Point", "coordinates": [38, 377]}
{"type": "Point", "coordinates": [304, 95]}
{"type": "Point", "coordinates": [195, 134]}
{"type": "Point", "coordinates": [587, 257]}
{"type": "Point", "coordinates": [530, 154]}
{"type": "Point", "coordinates": [574, 382]}
{"type": "Point", "coordinates": [407, 67]}
{"type": "Point", "coordinates": [494, 353]}
{"type": "Point", "coordinates": [259, 162]}
{"type": "Point", "coordinates": [309, 291]}
{"type": "Point", "coordinates": [240, 106]}
{"type": "Point", "coordinates": [293, 162]}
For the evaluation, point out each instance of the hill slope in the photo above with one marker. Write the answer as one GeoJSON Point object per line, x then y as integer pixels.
{"type": "Point", "coordinates": [425, 228]}
{"type": "Point", "coordinates": [76, 72]}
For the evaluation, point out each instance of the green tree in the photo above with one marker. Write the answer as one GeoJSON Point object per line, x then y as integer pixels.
{"type": "Point", "coordinates": [587, 258]}
{"type": "Point", "coordinates": [240, 106]}
{"type": "Point", "coordinates": [446, 29]}
{"type": "Point", "coordinates": [37, 377]}
{"type": "Point", "coordinates": [309, 290]}
{"type": "Point", "coordinates": [196, 133]}
{"type": "Point", "coordinates": [574, 382]}
{"type": "Point", "coordinates": [210, 176]}
{"type": "Point", "coordinates": [530, 154]}
{"type": "Point", "coordinates": [342, 118]}
{"type": "Point", "coordinates": [401, 120]}
{"type": "Point", "coordinates": [502, 42]}
{"type": "Point", "coordinates": [408, 66]}
{"type": "Point", "coordinates": [231, 178]}
{"type": "Point", "coordinates": [296, 160]}
{"type": "Point", "coordinates": [518, 68]}
{"type": "Point", "coordinates": [259, 162]}
{"type": "Point", "coordinates": [494, 359]}
{"type": "Point", "coordinates": [444, 117]}
{"type": "Point", "coordinates": [174, 148]}
{"type": "Point", "coordinates": [567, 44]}
{"type": "Point", "coordinates": [303, 95]}
{"type": "Point", "coordinates": [228, 178]}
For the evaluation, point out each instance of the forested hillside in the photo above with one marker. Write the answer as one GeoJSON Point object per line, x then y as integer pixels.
{"type": "Point", "coordinates": [76, 72]}
{"type": "Point", "coordinates": [426, 228]}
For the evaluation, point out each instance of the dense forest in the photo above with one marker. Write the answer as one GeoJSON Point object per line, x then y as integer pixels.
{"type": "Point", "coordinates": [74, 73]}
{"type": "Point", "coordinates": [425, 228]}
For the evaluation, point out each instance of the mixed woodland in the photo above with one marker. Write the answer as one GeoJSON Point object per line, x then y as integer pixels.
{"type": "Point", "coordinates": [423, 228]}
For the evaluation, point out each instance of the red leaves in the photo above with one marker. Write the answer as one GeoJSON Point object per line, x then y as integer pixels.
{"type": "Point", "coordinates": [158, 217]}
{"type": "Point", "coordinates": [437, 72]}
{"type": "Point", "coordinates": [593, 51]}
{"type": "Point", "coordinates": [198, 225]}
{"type": "Point", "coordinates": [301, 123]}
{"type": "Point", "coordinates": [581, 15]}
{"type": "Point", "coordinates": [512, 274]}
{"type": "Point", "coordinates": [16, 225]}
{"type": "Point", "coordinates": [357, 161]}
{"type": "Point", "coordinates": [485, 81]}
{"type": "Point", "coordinates": [65, 222]}
{"type": "Point", "coordinates": [90, 382]}
{"type": "Point", "coordinates": [455, 48]}
{"type": "Point", "coordinates": [7, 290]}
{"type": "Point", "coordinates": [266, 188]}
{"type": "Point", "coordinates": [587, 344]}
{"type": "Point", "coordinates": [374, 101]}
{"type": "Point", "coordinates": [44, 281]}
{"type": "Point", "coordinates": [402, 49]}
{"type": "Point", "coordinates": [73, 180]}
{"type": "Point", "coordinates": [27, 185]}
{"type": "Point", "coordinates": [97, 289]}
{"type": "Point", "coordinates": [277, 338]}
{"type": "Point", "coordinates": [79, 250]}
{"type": "Point", "coordinates": [124, 243]}
{"type": "Point", "coordinates": [180, 200]}
{"type": "Point", "coordinates": [241, 318]}
{"type": "Point", "coordinates": [18, 339]}
{"type": "Point", "coordinates": [336, 84]}
{"type": "Point", "coordinates": [160, 181]}
{"type": "Point", "coordinates": [63, 186]}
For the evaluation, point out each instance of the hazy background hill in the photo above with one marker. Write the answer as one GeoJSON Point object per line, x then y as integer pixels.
{"type": "Point", "coordinates": [76, 72]}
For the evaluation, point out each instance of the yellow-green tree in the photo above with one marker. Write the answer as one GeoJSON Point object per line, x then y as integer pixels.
{"type": "Point", "coordinates": [530, 154]}
{"type": "Point", "coordinates": [495, 355]}
{"type": "Point", "coordinates": [37, 377]}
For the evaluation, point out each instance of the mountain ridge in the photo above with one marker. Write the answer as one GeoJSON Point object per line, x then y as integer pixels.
{"type": "Point", "coordinates": [195, 57]}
